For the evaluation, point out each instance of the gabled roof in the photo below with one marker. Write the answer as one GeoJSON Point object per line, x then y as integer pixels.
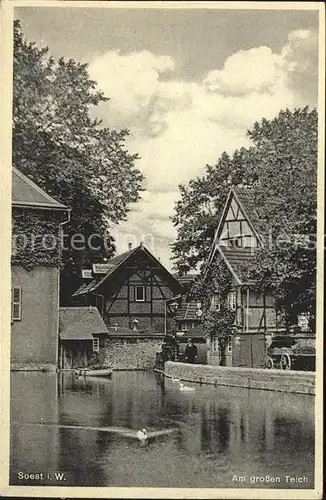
{"type": "Point", "coordinates": [246, 200]}
{"type": "Point", "coordinates": [187, 310]}
{"type": "Point", "coordinates": [236, 259]}
{"type": "Point", "coordinates": [80, 323]}
{"type": "Point", "coordinates": [25, 193]}
{"type": "Point", "coordinates": [116, 263]}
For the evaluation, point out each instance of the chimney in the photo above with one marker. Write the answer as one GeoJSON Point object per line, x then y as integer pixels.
{"type": "Point", "coordinates": [129, 245]}
{"type": "Point", "coordinates": [141, 245]}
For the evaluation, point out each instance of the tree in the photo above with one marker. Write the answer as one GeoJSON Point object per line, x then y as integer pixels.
{"type": "Point", "coordinates": [202, 201]}
{"type": "Point", "coordinates": [58, 144]}
{"type": "Point", "coordinates": [286, 194]}
{"type": "Point", "coordinates": [281, 168]}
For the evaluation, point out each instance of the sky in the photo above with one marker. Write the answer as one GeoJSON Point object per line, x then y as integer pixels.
{"type": "Point", "coordinates": [187, 83]}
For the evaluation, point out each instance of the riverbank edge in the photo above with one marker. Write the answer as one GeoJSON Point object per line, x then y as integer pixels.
{"type": "Point", "coordinates": [294, 382]}
{"type": "Point", "coordinates": [52, 368]}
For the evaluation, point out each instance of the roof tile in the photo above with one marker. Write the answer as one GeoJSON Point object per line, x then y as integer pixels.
{"type": "Point", "coordinates": [246, 196]}
{"type": "Point", "coordinates": [186, 310]}
{"type": "Point", "coordinates": [80, 323]}
{"type": "Point", "coordinates": [115, 264]}
{"type": "Point", "coordinates": [26, 193]}
{"type": "Point", "coordinates": [238, 258]}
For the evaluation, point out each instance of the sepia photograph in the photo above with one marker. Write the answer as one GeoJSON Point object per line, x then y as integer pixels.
{"type": "Point", "coordinates": [162, 170]}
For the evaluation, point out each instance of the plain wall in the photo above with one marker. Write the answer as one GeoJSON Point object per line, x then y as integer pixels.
{"type": "Point", "coordinates": [34, 339]}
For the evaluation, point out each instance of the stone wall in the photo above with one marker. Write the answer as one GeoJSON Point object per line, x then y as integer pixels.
{"type": "Point", "coordinates": [130, 354]}
{"type": "Point", "coordinates": [253, 378]}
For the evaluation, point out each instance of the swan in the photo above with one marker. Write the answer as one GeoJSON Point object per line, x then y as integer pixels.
{"type": "Point", "coordinates": [142, 435]}
{"type": "Point", "coordinates": [185, 388]}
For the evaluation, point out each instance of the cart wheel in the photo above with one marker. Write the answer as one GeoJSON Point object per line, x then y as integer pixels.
{"type": "Point", "coordinates": [270, 363]}
{"type": "Point", "coordinates": [285, 363]}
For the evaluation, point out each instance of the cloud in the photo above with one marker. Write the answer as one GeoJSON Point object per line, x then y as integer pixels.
{"type": "Point", "coordinates": [260, 71]}
{"type": "Point", "coordinates": [130, 80]}
{"type": "Point", "coordinates": [149, 223]}
{"type": "Point", "coordinates": [254, 70]}
{"type": "Point", "coordinates": [177, 126]}
{"type": "Point", "coordinates": [300, 63]}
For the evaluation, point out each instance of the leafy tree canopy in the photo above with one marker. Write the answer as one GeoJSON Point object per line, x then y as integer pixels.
{"type": "Point", "coordinates": [281, 168]}
{"type": "Point", "coordinates": [58, 144]}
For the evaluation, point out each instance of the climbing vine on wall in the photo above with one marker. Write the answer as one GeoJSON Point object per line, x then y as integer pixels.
{"type": "Point", "coordinates": [35, 238]}
{"type": "Point", "coordinates": [217, 280]}
{"type": "Point", "coordinates": [220, 324]}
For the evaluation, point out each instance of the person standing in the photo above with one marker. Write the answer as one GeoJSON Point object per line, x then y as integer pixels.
{"type": "Point", "coordinates": [191, 352]}
{"type": "Point", "coordinates": [164, 352]}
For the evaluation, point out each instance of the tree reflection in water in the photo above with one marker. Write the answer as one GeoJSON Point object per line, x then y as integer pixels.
{"type": "Point", "coordinates": [221, 429]}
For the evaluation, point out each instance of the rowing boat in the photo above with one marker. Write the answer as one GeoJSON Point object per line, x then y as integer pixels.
{"type": "Point", "coordinates": [99, 372]}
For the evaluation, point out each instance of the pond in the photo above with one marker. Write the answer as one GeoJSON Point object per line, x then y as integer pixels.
{"type": "Point", "coordinates": [224, 437]}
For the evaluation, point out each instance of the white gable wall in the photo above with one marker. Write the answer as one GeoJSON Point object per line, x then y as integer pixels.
{"type": "Point", "coordinates": [236, 229]}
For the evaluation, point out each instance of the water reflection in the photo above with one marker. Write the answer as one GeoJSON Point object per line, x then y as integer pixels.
{"type": "Point", "coordinates": [223, 431]}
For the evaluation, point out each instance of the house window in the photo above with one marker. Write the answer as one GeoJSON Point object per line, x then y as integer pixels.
{"type": "Point", "coordinates": [232, 300]}
{"type": "Point", "coordinates": [96, 344]}
{"type": "Point", "coordinates": [16, 304]}
{"type": "Point", "coordinates": [140, 293]}
{"type": "Point", "coordinates": [236, 242]}
{"type": "Point", "coordinates": [215, 344]}
{"type": "Point", "coordinates": [234, 229]}
{"type": "Point", "coordinates": [215, 302]}
{"type": "Point", "coordinates": [229, 348]}
{"type": "Point", "coordinates": [183, 327]}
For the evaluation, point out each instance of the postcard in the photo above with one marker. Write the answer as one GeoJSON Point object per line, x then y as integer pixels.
{"type": "Point", "coordinates": [162, 201]}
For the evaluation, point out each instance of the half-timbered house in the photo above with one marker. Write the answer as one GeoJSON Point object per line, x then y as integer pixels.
{"type": "Point", "coordinates": [238, 236]}
{"type": "Point", "coordinates": [135, 294]}
{"type": "Point", "coordinates": [132, 290]}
